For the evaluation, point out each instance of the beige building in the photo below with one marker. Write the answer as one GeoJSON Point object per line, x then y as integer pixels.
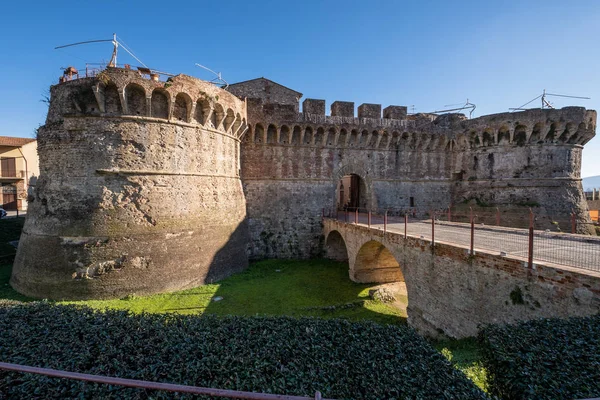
{"type": "Point", "coordinates": [19, 169]}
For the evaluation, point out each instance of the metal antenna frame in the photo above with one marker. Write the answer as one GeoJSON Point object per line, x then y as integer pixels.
{"type": "Point", "coordinates": [466, 105]}
{"type": "Point", "coordinates": [546, 103]}
{"type": "Point", "coordinates": [116, 44]}
{"type": "Point", "coordinates": [219, 78]}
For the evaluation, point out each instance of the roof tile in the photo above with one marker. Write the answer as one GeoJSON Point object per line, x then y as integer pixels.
{"type": "Point", "coordinates": [14, 141]}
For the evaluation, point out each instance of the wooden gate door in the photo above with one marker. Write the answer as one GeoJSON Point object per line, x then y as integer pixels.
{"type": "Point", "coordinates": [354, 191]}
{"type": "Point", "coordinates": [9, 201]}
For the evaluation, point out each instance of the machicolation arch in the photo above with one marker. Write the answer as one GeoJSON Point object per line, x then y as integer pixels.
{"type": "Point", "coordinates": [115, 96]}
{"type": "Point", "coordinates": [136, 99]}
{"type": "Point", "coordinates": [160, 104]}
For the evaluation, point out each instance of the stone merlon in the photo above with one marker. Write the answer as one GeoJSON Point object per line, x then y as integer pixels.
{"type": "Point", "coordinates": [369, 111]}
{"type": "Point", "coordinates": [342, 109]}
{"type": "Point", "coordinates": [313, 106]}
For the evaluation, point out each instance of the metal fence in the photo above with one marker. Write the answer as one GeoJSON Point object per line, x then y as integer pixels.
{"type": "Point", "coordinates": [169, 387]}
{"type": "Point", "coordinates": [484, 230]}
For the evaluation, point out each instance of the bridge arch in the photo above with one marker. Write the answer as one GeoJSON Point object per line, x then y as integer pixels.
{"type": "Point", "coordinates": [373, 259]}
{"type": "Point", "coordinates": [335, 247]}
{"type": "Point", "coordinates": [375, 263]}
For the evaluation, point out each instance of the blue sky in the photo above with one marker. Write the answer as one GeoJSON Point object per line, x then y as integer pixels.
{"type": "Point", "coordinates": [499, 54]}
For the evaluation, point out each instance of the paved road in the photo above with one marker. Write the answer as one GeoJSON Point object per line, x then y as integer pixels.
{"type": "Point", "coordinates": [577, 251]}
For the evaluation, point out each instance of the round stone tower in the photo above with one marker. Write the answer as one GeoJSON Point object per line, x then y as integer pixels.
{"type": "Point", "coordinates": [139, 189]}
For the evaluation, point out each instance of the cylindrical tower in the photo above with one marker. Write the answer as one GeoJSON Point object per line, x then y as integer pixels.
{"type": "Point", "coordinates": [139, 189]}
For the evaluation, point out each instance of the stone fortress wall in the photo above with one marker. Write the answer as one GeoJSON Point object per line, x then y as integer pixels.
{"type": "Point", "coordinates": [139, 189]}
{"type": "Point", "coordinates": [292, 162]}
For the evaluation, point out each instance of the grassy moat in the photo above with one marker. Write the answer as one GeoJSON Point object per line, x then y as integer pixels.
{"type": "Point", "coordinates": [297, 288]}
{"type": "Point", "coordinates": [307, 288]}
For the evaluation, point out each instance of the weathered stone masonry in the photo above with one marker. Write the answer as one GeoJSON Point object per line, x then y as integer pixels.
{"type": "Point", "coordinates": [139, 190]}
{"type": "Point", "coordinates": [292, 163]}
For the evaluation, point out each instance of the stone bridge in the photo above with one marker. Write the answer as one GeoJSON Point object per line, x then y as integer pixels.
{"type": "Point", "coordinates": [450, 291]}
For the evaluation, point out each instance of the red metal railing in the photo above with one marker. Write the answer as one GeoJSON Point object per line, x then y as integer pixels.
{"type": "Point", "coordinates": [169, 387]}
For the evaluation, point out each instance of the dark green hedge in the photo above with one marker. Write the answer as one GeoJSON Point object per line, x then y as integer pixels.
{"type": "Point", "coordinates": [276, 354]}
{"type": "Point", "coordinates": [543, 359]}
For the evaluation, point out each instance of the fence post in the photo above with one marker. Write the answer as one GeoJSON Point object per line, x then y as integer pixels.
{"type": "Point", "coordinates": [449, 213]}
{"type": "Point", "coordinates": [530, 250]}
{"type": "Point", "coordinates": [385, 222]}
{"type": "Point", "coordinates": [323, 215]}
{"type": "Point", "coordinates": [318, 395]}
{"type": "Point", "coordinates": [472, 229]}
{"type": "Point", "coordinates": [432, 228]}
{"type": "Point", "coordinates": [346, 215]}
{"type": "Point", "coordinates": [573, 223]}
{"type": "Point", "coordinates": [17, 212]}
{"type": "Point", "coordinates": [405, 224]}
{"type": "Point", "coordinates": [369, 219]}
{"type": "Point", "coordinates": [356, 216]}
{"type": "Point", "coordinates": [497, 216]}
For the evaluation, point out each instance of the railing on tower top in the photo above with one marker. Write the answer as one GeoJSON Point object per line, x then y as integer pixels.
{"type": "Point", "coordinates": [533, 240]}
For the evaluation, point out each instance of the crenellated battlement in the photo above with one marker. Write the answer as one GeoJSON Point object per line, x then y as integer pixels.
{"type": "Point", "coordinates": [568, 125]}
{"type": "Point", "coordinates": [275, 120]}
{"type": "Point", "coordinates": [118, 92]}
{"type": "Point", "coordinates": [345, 109]}
{"type": "Point", "coordinates": [423, 132]}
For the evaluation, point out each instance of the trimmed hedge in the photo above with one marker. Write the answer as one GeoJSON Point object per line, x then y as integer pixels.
{"type": "Point", "coordinates": [543, 359]}
{"type": "Point", "coordinates": [281, 355]}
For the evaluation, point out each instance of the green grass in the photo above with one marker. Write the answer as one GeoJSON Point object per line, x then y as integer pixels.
{"type": "Point", "coordinates": [466, 357]}
{"type": "Point", "coordinates": [272, 287]}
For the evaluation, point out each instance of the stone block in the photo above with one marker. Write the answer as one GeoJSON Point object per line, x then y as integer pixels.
{"type": "Point", "coordinates": [369, 111]}
{"type": "Point", "coordinates": [342, 109]}
{"type": "Point", "coordinates": [313, 106]}
{"type": "Point", "coordinates": [395, 112]}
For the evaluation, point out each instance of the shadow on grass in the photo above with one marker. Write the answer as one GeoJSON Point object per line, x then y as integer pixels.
{"type": "Point", "coordinates": [318, 288]}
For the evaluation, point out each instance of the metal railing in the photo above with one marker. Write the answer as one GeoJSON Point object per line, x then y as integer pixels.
{"type": "Point", "coordinates": [92, 70]}
{"type": "Point", "coordinates": [484, 230]}
{"type": "Point", "coordinates": [169, 387]}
